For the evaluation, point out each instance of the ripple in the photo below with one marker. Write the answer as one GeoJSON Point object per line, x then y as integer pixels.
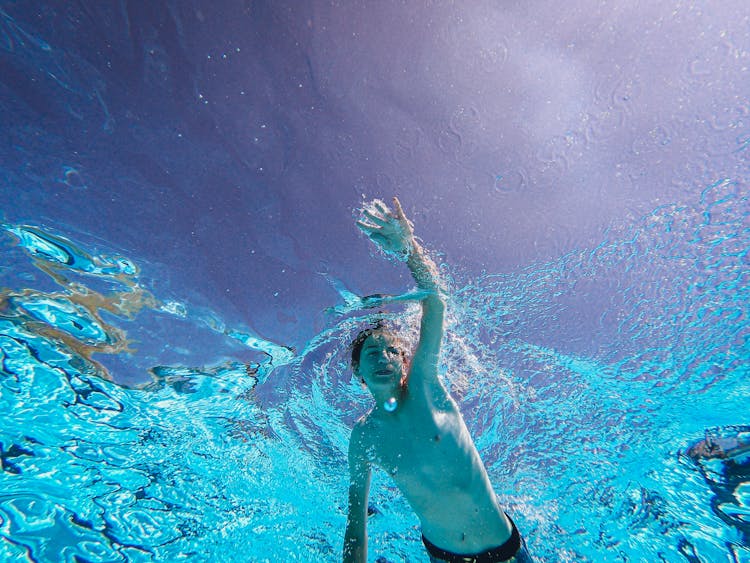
{"type": "Point", "coordinates": [58, 250]}
{"type": "Point", "coordinates": [12, 31]}
{"type": "Point", "coordinates": [457, 138]}
{"type": "Point", "coordinates": [652, 141]}
{"type": "Point", "coordinates": [555, 151]}
{"type": "Point", "coordinates": [465, 120]}
{"type": "Point", "coordinates": [28, 513]}
{"type": "Point", "coordinates": [449, 142]}
{"type": "Point", "coordinates": [718, 192]}
{"type": "Point", "coordinates": [493, 57]}
{"type": "Point", "coordinates": [509, 175]}
{"type": "Point", "coordinates": [619, 91]}
{"type": "Point", "coordinates": [509, 180]}
{"type": "Point", "coordinates": [603, 124]}
{"type": "Point", "coordinates": [735, 118]}
{"type": "Point", "coordinates": [72, 178]}
{"type": "Point", "coordinates": [406, 145]}
{"type": "Point", "coordinates": [61, 313]}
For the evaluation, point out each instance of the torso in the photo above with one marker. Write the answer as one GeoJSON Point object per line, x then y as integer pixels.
{"type": "Point", "coordinates": [427, 450]}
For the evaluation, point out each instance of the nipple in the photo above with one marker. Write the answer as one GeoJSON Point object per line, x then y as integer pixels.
{"type": "Point", "coordinates": [391, 404]}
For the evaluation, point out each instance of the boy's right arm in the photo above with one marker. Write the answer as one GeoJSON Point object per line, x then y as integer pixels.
{"type": "Point", "coordinates": [392, 231]}
{"type": "Point", "coordinates": [355, 538]}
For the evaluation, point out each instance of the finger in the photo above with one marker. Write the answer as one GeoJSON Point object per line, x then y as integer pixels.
{"type": "Point", "coordinates": [375, 218]}
{"type": "Point", "coordinates": [399, 210]}
{"type": "Point", "coordinates": [382, 207]}
{"type": "Point", "coordinates": [367, 228]}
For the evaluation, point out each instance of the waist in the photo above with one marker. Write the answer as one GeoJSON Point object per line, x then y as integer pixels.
{"type": "Point", "coordinates": [503, 552]}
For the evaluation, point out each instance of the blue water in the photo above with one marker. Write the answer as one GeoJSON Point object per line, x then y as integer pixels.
{"type": "Point", "coordinates": [139, 426]}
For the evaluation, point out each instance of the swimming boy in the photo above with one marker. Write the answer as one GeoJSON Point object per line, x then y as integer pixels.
{"type": "Point", "coordinates": [415, 432]}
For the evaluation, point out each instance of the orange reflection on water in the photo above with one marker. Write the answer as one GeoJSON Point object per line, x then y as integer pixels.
{"type": "Point", "coordinates": [72, 317]}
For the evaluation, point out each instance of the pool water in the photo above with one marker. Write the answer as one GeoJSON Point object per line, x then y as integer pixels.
{"type": "Point", "coordinates": [141, 427]}
{"type": "Point", "coordinates": [181, 276]}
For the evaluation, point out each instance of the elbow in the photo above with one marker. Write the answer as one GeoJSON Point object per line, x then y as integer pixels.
{"type": "Point", "coordinates": [434, 306]}
{"type": "Point", "coordinates": [435, 301]}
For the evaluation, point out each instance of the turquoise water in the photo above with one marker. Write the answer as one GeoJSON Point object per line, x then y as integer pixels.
{"type": "Point", "coordinates": [582, 380]}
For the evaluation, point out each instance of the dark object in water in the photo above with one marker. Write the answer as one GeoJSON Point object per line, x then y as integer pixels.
{"type": "Point", "coordinates": [723, 458]}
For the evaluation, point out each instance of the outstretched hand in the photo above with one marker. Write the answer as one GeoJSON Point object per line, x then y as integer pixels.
{"type": "Point", "coordinates": [390, 230]}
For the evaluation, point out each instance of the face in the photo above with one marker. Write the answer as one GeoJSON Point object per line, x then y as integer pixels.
{"type": "Point", "coordinates": [381, 363]}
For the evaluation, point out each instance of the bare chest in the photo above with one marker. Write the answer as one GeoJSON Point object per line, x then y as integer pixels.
{"type": "Point", "coordinates": [423, 451]}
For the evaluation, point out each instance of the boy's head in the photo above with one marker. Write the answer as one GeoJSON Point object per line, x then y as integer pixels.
{"type": "Point", "coordinates": [376, 351]}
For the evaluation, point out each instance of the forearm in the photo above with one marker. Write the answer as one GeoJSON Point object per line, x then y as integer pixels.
{"type": "Point", "coordinates": [425, 273]}
{"type": "Point", "coordinates": [355, 546]}
{"type": "Point", "coordinates": [423, 269]}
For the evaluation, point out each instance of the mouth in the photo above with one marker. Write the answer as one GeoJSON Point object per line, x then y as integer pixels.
{"type": "Point", "coordinates": [384, 373]}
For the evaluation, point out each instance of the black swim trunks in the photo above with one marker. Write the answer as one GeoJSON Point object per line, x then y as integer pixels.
{"type": "Point", "coordinates": [514, 549]}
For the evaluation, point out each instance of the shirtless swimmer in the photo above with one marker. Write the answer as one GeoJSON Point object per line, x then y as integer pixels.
{"type": "Point", "coordinates": [416, 432]}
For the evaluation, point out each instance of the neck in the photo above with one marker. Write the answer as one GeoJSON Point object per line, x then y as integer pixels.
{"type": "Point", "coordinates": [381, 399]}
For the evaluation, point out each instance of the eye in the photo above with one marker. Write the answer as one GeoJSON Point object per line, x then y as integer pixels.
{"type": "Point", "coordinates": [393, 350]}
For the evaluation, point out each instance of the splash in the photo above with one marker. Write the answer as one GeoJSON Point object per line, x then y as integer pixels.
{"type": "Point", "coordinates": [582, 379]}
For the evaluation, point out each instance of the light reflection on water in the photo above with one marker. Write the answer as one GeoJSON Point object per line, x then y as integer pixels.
{"type": "Point", "coordinates": [580, 417]}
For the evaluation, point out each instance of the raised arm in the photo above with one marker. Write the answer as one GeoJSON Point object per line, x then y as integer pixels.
{"type": "Point", "coordinates": [393, 232]}
{"type": "Point", "coordinates": [355, 538]}
{"type": "Point", "coordinates": [426, 356]}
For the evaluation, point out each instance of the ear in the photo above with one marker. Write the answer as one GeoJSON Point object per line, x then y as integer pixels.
{"type": "Point", "coordinates": [406, 361]}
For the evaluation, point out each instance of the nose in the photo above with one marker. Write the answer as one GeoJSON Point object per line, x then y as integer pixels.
{"type": "Point", "coordinates": [388, 355]}
{"type": "Point", "coordinates": [382, 358]}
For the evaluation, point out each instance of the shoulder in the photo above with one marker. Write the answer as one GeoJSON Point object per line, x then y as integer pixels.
{"type": "Point", "coordinates": [361, 437]}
